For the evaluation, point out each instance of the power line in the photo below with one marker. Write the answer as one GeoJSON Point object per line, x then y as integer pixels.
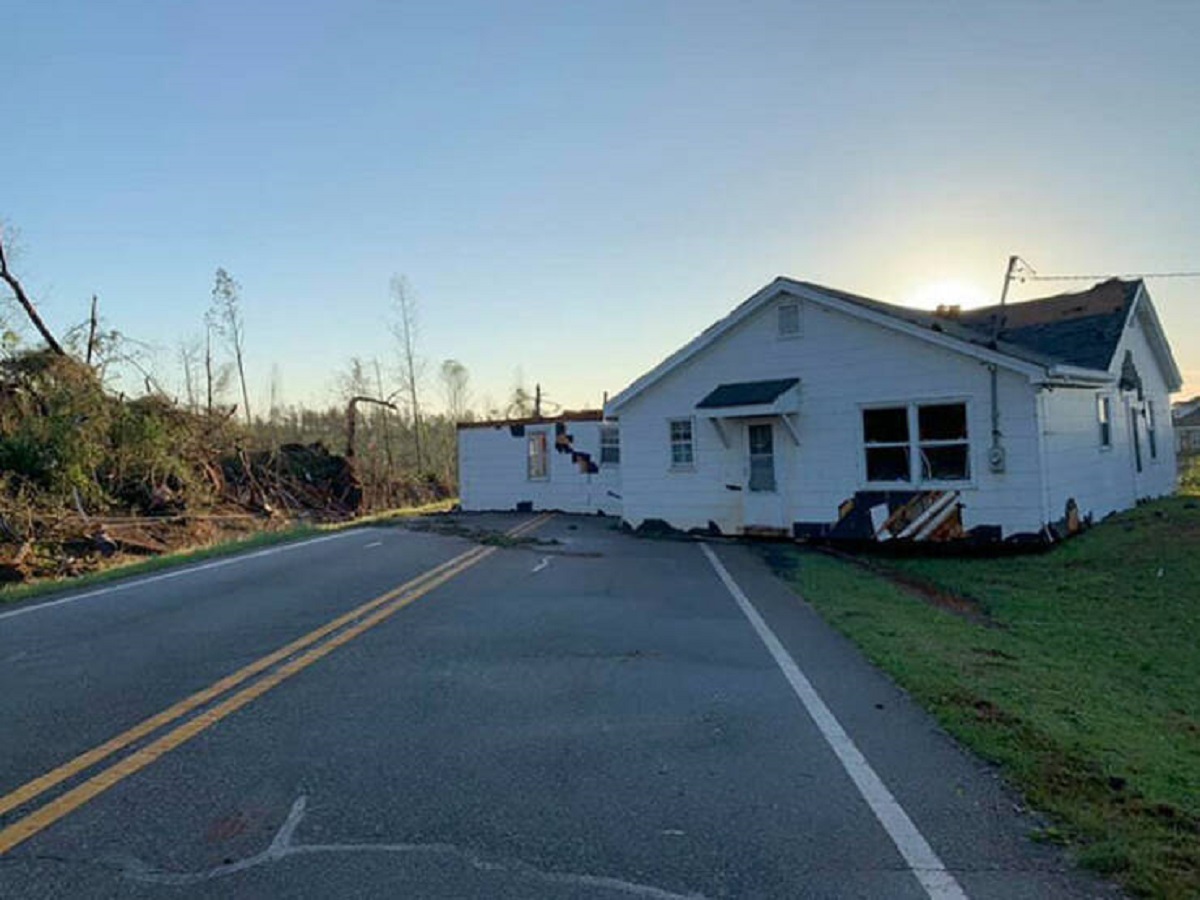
{"type": "Point", "coordinates": [1106, 276]}
{"type": "Point", "coordinates": [1022, 270]}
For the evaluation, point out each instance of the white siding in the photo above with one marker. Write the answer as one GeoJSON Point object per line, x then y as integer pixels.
{"type": "Point", "coordinates": [493, 471]}
{"type": "Point", "coordinates": [1103, 480]}
{"type": "Point", "coordinates": [842, 363]}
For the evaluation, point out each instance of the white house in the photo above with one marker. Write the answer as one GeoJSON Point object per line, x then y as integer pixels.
{"type": "Point", "coordinates": [568, 463]}
{"type": "Point", "coordinates": [1187, 431]}
{"type": "Point", "coordinates": [812, 412]}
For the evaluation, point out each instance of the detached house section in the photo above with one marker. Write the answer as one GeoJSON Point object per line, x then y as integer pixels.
{"type": "Point", "coordinates": [811, 412]}
{"type": "Point", "coordinates": [568, 463]}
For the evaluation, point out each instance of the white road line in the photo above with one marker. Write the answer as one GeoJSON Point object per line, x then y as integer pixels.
{"type": "Point", "coordinates": [922, 861]}
{"type": "Point", "coordinates": [545, 562]}
{"type": "Point", "coordinates": [373, 545]}
{"type": "Point", "coordinates": [175, 573]}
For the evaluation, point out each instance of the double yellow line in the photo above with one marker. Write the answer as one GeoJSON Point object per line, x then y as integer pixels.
{"type": "Point", "coordinates": [314, 646]}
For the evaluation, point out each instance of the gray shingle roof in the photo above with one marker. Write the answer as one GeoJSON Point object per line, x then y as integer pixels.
{"type": "Point", "coordinates": [1080, 329]}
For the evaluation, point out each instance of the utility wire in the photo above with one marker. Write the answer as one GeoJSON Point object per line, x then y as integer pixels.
{"type": "Point", "coordinates": [1102, 277]}
{"type": "Point", "coordinates": [1028, 273]}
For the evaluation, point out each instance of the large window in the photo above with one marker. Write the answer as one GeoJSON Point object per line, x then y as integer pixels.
{"type": "Point", "coordinates": [1104, 418]}
{"type": "Point", "coordinates": [682, 448]}
{"type": "Point", "coordinates": [539, 456]}
{"type": "Point", "coordinates": [928, 440]}
{"type": "Point", "coordinates": [610, 445]}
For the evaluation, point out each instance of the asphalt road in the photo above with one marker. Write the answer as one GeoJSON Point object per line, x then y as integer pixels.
{"type": "Point", "coordinates": [600, 717]}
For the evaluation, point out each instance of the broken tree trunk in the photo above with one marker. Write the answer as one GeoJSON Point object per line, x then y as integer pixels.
{"type": "Point", "coordinates": [352, 419]}
{"type": "Point", "coordinates": [26, 304]}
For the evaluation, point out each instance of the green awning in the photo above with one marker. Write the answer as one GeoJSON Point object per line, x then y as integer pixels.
{"type": "Point", "coordinates": [747, 393]}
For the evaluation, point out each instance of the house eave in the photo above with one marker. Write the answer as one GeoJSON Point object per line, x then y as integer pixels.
{"type": "Point", "coordinates": [1075, 376]}
{"type": "Point", "coordinates": [1143, 307]}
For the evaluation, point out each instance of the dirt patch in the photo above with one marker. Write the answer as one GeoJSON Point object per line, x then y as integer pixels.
{"type": "Point", "coordinates": [927, 592]}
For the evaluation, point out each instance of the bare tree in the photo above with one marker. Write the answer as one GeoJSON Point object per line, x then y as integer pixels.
{"type": "Point", "coordinates": [225, 316]}
{"type": "Point", "coordinates": [275, 412]}
{"type": "Point", "coordinates": [22, 298]}
{"type": "Point", "coordinates": [456, 387]}
{"type": "Point", "coordinates": [404, 328]}
{"type": "Point", "coordinates": [188, 352]}
{"type": "Point", "coordinates": [521, 401]}
{"type": "Point", "coordinates": [387, 431]}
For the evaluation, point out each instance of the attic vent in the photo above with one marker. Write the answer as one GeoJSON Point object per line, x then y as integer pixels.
{"type": "Point", "coordinates": [789, 320]}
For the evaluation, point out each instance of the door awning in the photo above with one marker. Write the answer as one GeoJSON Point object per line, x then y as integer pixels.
{"type": "Point", "coordinates": [752, 398]}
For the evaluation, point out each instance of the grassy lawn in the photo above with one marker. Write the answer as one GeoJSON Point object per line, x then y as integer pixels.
{"type": "Point", "coordinates": [1077, 671]}
{"type": "Point", "coordinates": [242, 544]}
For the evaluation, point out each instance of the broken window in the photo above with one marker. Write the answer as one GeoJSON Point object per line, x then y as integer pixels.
{"type": "Point", "coordinates": [945, 451]}
{"type": "Point", "coordinates": [885, 432]}
{"type": "Point", "coordinates": [1104, 417]}
{"type": "Point", "coordinates": [682, 454]}
{"type": "Point", "coordinates": [610, 445]}
{"type": "Point", "coordinates": [789, 320]}
{"type": "Point", "coordinates": [539, 456]}
{"type": "Point", "coordinates": [941, 442]}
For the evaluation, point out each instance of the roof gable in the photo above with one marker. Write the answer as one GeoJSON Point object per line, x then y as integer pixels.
{"type": "Point", "coordinates": [1066, 336]}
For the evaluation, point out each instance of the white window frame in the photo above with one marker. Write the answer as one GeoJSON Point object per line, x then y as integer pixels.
{"type": "Point", "coordinates": [690, 443]}
{"type": "Point", "coordinates": [914, 444]}
{"type": "Point", "coordinates": [610, 444]}
{"type": "Point", "coordinates": [779, 321]}
{"type": "Point", "coordinates": [530, 440]}
{"type": "Point", "coordinates": [1104, 408]}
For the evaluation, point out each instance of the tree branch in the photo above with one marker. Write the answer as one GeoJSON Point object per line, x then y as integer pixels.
{"type": "Point", "coordinates": [27, 304]}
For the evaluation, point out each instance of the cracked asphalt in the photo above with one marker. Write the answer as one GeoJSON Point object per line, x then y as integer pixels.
{"type": "Point", "coordinates": [589, 718]}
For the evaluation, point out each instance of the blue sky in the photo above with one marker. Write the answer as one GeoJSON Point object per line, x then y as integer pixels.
{"type": "Point", "coordinates": [577, 189]}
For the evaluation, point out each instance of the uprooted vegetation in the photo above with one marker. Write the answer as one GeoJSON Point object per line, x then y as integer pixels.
{"type": "Point", "coordinates": [87, 475]}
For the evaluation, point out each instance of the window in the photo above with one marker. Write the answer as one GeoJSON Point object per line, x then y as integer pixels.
{"type": "Point", "coordinates": [1151, 435]}
{"type": "Point", "coordinates": [1104, 417]}
{"type": "Point", "coordinates": [943, 443]}
{"type": "Point", "coordinates": [682, 454]}
{"type": "Point", "coordinates": [789, 320]}
{"type": "Point", "coordinates": [1137, 441]}
{"type": "Point", "coordinates": [762, 457]}
{"type": "Point", "coordinates": [885, 432]}
{"type": "Point", "coordinates": [941, 447]}
{"type": "Point", "coordinates": [539, 456]}
{"type": "Point", "coordinates": [610, 445]}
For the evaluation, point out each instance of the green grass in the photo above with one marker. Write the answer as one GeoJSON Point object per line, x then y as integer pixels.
{"type": "Point", "coordinates": [18, 592]}
{"type": "Point", "coordinates": [1078, 673]}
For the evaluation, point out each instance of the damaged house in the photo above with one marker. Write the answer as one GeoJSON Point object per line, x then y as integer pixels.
{"type": "Point", "coordinates": [812, 412]}
{"type": "Point", "coordinates": [568, 463]}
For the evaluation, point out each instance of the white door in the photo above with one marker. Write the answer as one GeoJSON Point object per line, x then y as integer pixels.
{"type": "Point", "coordinates": [762, 505]}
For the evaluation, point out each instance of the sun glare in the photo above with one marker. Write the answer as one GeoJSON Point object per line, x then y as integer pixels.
{"type": "Point", "coordinates": [948, 292]}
